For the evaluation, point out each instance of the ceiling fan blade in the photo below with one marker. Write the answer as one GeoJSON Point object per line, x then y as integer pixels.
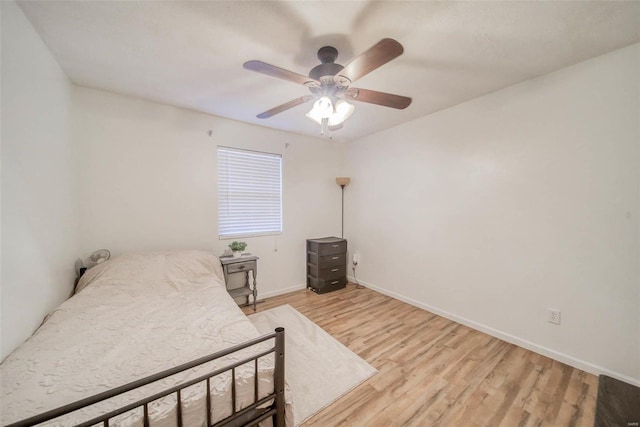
{"type": "Point", "coordinates": [379, 98]}
{"type": "Point", "coordinates": [285, 106]}
{"type": "Point", "coordinates": [377, 55]}
{"type": "Point", "coordinates": [280, 73]}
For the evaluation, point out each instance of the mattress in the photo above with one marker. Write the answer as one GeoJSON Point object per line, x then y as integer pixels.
{"type": "Point", "coordinates": [131, 317]}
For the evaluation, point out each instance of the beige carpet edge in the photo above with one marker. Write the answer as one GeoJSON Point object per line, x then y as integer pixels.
{"type": "Point", "coordinates": [270, 321]}
{"type": "Point", "coordinates": [339, 396]}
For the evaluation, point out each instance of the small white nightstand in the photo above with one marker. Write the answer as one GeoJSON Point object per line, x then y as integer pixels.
{"type": "Point", "coordinates": [245, 264]}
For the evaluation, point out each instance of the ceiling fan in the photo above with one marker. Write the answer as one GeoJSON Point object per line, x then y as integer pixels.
{"type": "Point", "coordinates": [329, 84]}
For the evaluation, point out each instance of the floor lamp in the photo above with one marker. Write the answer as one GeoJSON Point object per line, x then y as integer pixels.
{"type": "Point", "coordinates": [343, 182]}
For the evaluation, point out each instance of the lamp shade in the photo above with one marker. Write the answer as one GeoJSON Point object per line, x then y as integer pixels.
{"type": "Point", "coordinates": [322, 109]}
{"type": "Point", "coordinates": [343, 181]}
{"type": "Point", "coordinates": [342, 111]}
{"type": "Point", "coordinates": [335, 114]}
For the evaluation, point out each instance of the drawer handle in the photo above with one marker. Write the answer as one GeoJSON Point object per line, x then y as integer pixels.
{"type": "Point", "coordinates": [335, 282]}
{"type": "Point", "coordinates": [335, 257]}
{"type": "Point", "coordinates": [335, 246]}
{"type": "Point", "coordinates": [241, 267]}
{"type": "Point", "coordinates": [335, 269]}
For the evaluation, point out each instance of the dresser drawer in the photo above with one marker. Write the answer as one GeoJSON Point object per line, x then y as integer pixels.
{"type": "Point", "coordinates": [321, 286]}
{"type": "Point", "coordinates": [328, 248]}
{"type": "Point", "coordinates": [326, 260]}
{"type": "Point", "coordinates": [241, 266]}
{"type": "Point", "coordinates": [328, 273]}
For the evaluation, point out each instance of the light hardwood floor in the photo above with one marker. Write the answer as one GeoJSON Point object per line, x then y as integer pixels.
{"type": "Point", "coordinates": [435, 372]}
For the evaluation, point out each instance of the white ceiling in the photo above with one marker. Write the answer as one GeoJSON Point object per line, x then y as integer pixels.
{"type": "Point", "coordinates": [190, 54]}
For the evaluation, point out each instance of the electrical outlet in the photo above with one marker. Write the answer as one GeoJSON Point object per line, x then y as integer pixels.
{"type": "Point", "coordinates": [355, 259]}
{"type": "Point", "coordinates": [553, 316]}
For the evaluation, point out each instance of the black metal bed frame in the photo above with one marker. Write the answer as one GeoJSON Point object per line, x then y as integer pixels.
{"type": "Point", "coordinates": [248, 416]}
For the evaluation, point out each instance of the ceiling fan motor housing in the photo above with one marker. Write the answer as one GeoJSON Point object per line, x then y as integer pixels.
{"type": "Point", "coordinates": [325, 71]}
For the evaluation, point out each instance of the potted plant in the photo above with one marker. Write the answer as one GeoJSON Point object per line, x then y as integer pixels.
{"type": "Point", "coordinates": [237, 248]}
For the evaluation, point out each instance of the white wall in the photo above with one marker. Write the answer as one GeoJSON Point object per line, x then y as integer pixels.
{"type": "Point", "coordinates": [528, 198]}
{"type": "Point", "coordinates": [39, 204]}
{"type": "Point", "coordinates": [149, 181]}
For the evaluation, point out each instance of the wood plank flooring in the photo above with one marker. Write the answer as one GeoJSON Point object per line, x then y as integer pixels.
{"type": "Point", "coordinates": [435, 372]}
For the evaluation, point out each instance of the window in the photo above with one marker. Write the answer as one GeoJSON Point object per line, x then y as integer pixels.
{"type": "Point", "coordinates": [249, 193]}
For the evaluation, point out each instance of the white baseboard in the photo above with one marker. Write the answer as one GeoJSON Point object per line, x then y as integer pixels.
{"type": "Point", "coordinates": [536, 348]}
{"type": "Point", "coordinates": [262, 295]}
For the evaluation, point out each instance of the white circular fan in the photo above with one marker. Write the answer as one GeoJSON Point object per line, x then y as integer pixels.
{"type": "Point", "coordinates": [96, 257]}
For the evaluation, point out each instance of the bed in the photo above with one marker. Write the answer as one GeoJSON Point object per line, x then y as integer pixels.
{"type": "Point", "coordinates": [158, 331]}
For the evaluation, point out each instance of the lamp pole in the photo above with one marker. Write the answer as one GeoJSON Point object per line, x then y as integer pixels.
{"type": "Point", "coordinates": [343, 182]}
{"type": "Point", "coordinates": [342, 232]}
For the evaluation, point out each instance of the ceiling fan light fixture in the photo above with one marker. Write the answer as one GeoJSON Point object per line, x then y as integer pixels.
{"type": "Point", "coordinates": [332, 114]}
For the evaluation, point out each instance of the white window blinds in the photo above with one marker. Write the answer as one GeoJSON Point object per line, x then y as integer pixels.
{"type": "Point", "coordinates": [249, 193]}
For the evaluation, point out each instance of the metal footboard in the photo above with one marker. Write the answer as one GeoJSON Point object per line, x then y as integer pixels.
{"type": "Point", "coordinates": [248, 416]}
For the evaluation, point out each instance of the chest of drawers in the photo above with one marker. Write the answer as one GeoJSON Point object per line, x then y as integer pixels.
{"type": "Point", "coordinates": [326, 264]}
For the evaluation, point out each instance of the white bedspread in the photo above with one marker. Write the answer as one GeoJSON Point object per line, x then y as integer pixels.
{"type": "Point", "coordinates": [131, 317]}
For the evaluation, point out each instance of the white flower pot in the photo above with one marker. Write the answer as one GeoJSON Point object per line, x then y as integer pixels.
{"type": "Point", "coordinates": [237, 254]}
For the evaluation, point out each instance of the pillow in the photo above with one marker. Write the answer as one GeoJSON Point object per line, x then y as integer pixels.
{"type": "Point", "coordinates": [173, 267]}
